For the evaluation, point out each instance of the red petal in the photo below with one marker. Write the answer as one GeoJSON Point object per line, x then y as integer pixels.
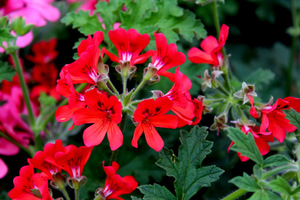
{"type": "Point", "coordinates": [86, 115]}
{"type": "Point", "coordinates": [137, 134]}
{"type": "Point", "coordinates": [94, 134]}
{"type": "Point", "coordinates": [209, 44]}
{"type": "Point", "coordinates": [115, 136]}
{"type": "Point", "coordinates": [262, 145]}
{"type": "Point", "coordinates": [165, 121]}
{"type": "Point", "coordinates": [223, 34]}
{"type": "Point", "coordinates": [153, 138]}
{"type": "Point", "coordinates": [195, 55]}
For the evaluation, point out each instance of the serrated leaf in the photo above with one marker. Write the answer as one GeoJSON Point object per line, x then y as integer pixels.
{"type": "Point", "coordinates": [293, 116]}
{"type": "Point", "coordinates": [189, 175]}
{"type": "Point", "coordinates": [281, 186]}
{"type": "Point", "coordinates": [165, 16]}
{"type": "Point", "coordinates": [82, 20]}
{"type": "Point", "coordinates": [245, 182]}
{"type": "Point", "coordinates": [259, 195]}
{"type": "Point", "coordinates": [260, 77]}
{"type": "Point", "coordinates": [275, 161]}
{"type": "Point", "coordinates": [135, 198]}
{"type": "Point", "coordinates": [257, 170]}
{"type": "Point", "coordinates": [245, 144]}
{"type": "Point", "coordinates": [7, 72]}
{"type": "Point", "coordinates": [5, 35]}
{"type": "Point", "coordinates": [156, 192]}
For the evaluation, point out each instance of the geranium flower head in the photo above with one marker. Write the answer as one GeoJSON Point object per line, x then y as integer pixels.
{"type": "Point", "coordinates": [73, 159]}
{"type": "Point", "coordinates": [166, 56]}
{"type": "Point", "coordinates": [212, 47]}
{"type": "Point", "coordinates": [115, 185]}
{"type": "Point", "coordinates": [105, 113]}
{"type": "Point", "coordinates": [30, 186]}
{"type": "Point", "coordinates": [43, 52]}
{"type": "Point", "coordinates": [150, 114]}
{"type": "Point", "coordinates": [129, 45]}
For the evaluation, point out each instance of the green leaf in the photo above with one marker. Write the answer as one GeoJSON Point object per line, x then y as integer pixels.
{"type": "Point", "coordinates": [7, 72]}
{"type": "Point", "coordinates": [245, 144]}
{"type": "Point", "coordinates": [245, 182]}
{"type": "Point", "coordinates": [189, 175]}
{"type": "Point", "coordinates": [281, 186]}
{"type": "Point", "coordinates": [165, 16]}
{"type": "Point", "coordinates": [257, 171]}
{"type": "Point", "coordinates": [82, 20]}
{"type": "Point", "coordinates": [275, 161]}
{"type": "Point", "coordinates": [293, 116]}
{"type": "Point", "coordinates": [156, 192]}
{"type": "Point", "coordinates": [5, 35]}
{"type": "Point", "coordinates": [135, 198]}
{"type": "Point", "coordinates": [259, 195]}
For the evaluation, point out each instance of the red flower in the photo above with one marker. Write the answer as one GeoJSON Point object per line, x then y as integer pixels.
{"type": "Point", "coordinates": [166, 56]}
{"type": "Point", "coordinates": [150, 114]}
{"type": "Point", "coordinates": [115, 185]}
{"type": "Point", "coordinates": [29, 186]}
{"type": "Point", "coordinates": [129, 45]}
{"type": "Point", "coordinates": [105, 112]}
{"type": "Point", "coordinates": [45, 161]}
{"type": "Point", "coordinates": [212, 53]}
{"type": "Point", "coordinates": [44, 52]}
{"type": "Point", "coordinates": [179, 94]}
{"type": "Point", "coordinates": [73, 159]}
{"type": "Point", "coordinates": [85, 68]}
{"type": "Point", "coordinates": [273, 117]}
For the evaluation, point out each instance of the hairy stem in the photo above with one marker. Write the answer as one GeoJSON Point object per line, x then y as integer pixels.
{"type": "Point", "coordinates": [235, 195]}
{"type": "Point", "coordinates": [24, 88]}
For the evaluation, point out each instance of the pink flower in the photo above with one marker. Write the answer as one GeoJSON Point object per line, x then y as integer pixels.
{"type": "Point", "coordinates": [7, 149]}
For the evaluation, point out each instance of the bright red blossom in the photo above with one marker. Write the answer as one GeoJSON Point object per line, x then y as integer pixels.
{"type": "Point", "coordinates": [44, 52]}
{"type": "Point", "coordinates": [105, 113]}
{"type": "Point", "coordinates": [73, 159]}
{"type": "Point", "coordinates": [115, 185]}
{"type": "Point", "coordinates": [273, 117]}
{"type": "Point", "coordinates": [30, 186]}
{"type": "Point", "coordinates": [212, 53]}
{"type": "Point", "coordinates": [129, 45]}
{"type": "Point", "coordinates": [165, 56]}
{"type": "Point", "coordinates": [150, 114]}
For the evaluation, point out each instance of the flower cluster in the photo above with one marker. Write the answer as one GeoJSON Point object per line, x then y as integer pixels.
{"type": "Point", "coordinates": [102, 105]}
{"type": "Point", "coordinates": [56, 158]}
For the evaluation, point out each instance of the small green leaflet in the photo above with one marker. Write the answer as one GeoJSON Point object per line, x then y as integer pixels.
{"type": "Point", "coordinates": [82, 20]}
{"type": "Point", "coordinates": [7, 72]}
{"type": "Point", "coordinates": [293, 116]}
{"type": "Point", "coordinates": [275, 161]}
{"type": "Point", "coordinates": [156, 192]}
{"type": "Point", "coordinates": [281, 186]}
{"type": "Point", "coordinates": [190, 176]}
{"type": "Point", "coordinates": [47, 105]}
{"type": "Point", "coordinates": [245, 144]}
{"type": "Point", "coordinates": [245, 182]}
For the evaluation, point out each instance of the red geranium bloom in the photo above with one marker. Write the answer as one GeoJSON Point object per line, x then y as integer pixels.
{"type": "Point", "coordinates": [106, 113]}
{"type": "Point", "coordinates": [273, 117]}
{"type": "Point", "coordinates": [73, 159]}
{"type": "Point", "coordinates": [85, 68]}
{"type": "Point", "coordinates": [129, 45]}
{"type": "Point", "coordinates": [212, 53]}
{"type": "Point", "coordinates": [30, 186]}
{"type": "Point", "coordinates": [150, 114]}
{"type": "Point", "coordinates": [179, 94]}
{"type": "Point", "coordinates": [45, 161]}
{"type": "Point", "coordinates": [166, 56]}
{"type": "Point", "coordinates": [44, 52]}
{"type": "Point", "coordinates": [115, 185]}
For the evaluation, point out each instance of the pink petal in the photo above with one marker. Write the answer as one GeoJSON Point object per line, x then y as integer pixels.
{"type": "Point", "coordinates": [7, 148]}
{"type": "Point", "coordinates": [3, 169]}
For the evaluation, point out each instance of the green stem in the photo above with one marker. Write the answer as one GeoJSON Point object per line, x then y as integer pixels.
{"type": "Point", "coordinates": [222, 89]}
{"type": "Point", "coordinates": [124, 78]}
{"type": "Point", "coordinates": [115, 153]}
{"type": "Point", "coordinates": [216, 17]}
{"type": "Point", "coordinates": [235, 195]}
{"type": "Point", "coordinates": [24, 87]}
{"type": "Point", "coordinates": [64, 191]}
{"type": "Point", "coordinates": [64, 102]}
{"type": "Point", "coordinates": [15, 143]}
{"type": "Point", "coordinates": [76, 193]}
{"type": "Point", "coordinates": [139, 87]}
{"type": "Point", "coordinates": [103, 86]}
{"type": "Point", "coordinates": [110, 84]}
{"type": "Point", "coordinates": [289, 78]}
